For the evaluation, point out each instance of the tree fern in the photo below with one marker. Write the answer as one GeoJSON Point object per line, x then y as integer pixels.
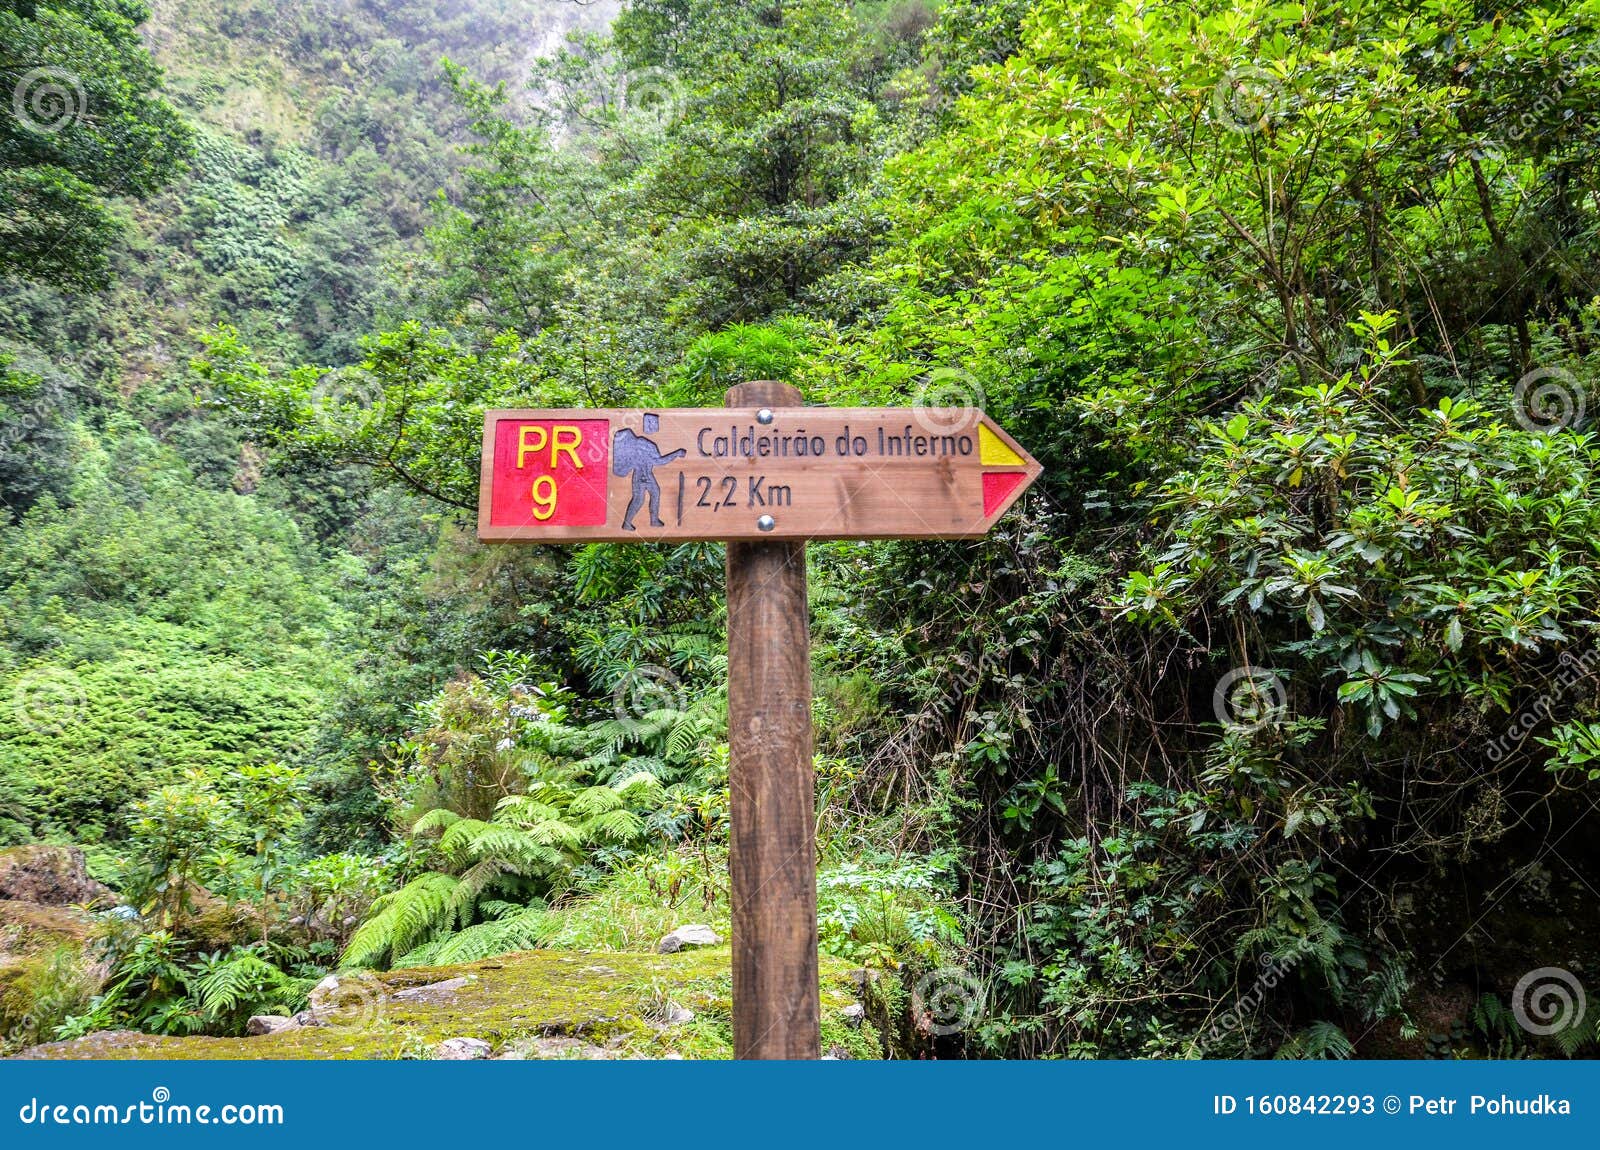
{"type": "Point", "coordinates": [440, 819]}
{"type": "Point", "coordinates": [578, 801]}
{"type": "Point", "coordinates": [520, 931]}
{"type": "Point", "coordinates": [618, 826]}
{"type": "Point", "coordinates": [400, 921]}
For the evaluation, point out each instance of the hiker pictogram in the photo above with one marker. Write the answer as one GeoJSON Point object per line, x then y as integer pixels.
{"type": "Point", "coordinates": [639, 456]}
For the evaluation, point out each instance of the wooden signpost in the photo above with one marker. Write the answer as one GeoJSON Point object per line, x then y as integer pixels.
{"type": "Point", "coordinates": [766, 474]}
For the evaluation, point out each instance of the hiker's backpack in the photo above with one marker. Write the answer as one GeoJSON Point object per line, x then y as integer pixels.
{"type": "Point", "coordinates": [621, 453]}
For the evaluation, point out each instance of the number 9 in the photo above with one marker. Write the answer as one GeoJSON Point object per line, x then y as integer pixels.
{"type": "Point", "coordinates": [544, 497]}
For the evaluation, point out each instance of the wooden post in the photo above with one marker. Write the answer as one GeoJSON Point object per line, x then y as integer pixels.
{"type": "Point", "coordinates": [776, 1012]}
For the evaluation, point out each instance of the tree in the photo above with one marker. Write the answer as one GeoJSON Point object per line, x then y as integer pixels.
{"type": "Point", "coordinates": [84, 124]}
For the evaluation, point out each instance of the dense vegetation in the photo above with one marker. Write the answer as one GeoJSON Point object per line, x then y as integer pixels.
{"type": "Point", "coordinates": [1286, 665]}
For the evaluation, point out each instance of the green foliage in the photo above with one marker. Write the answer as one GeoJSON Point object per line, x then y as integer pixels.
{"type": "Point", "coordinates": [511, 805]}
{"type": "Point", "coordinates": [41, 992]}
{"type": "Point", "coordinates": [718, 360]}
{"type": "Point", "coordinates": [418, 912]}
{"type": "Point", "coordinates": [517, 928]}
{"type": "Point", "coordinates": [1577, 746]}
{"type": "Point", "coordinates": [1291, 302]}
{"type": "Point", "coordinates": [88, 124]}
{"type": "Point", "coordinates": [1390, 551]}
{"type": "Point", "coordinates": [157, 626]}
{"type": "Point", "coordinates": [1319, 1040]}
{"type": "Point", "coordinates": [207, 829]}
{"type": "Point", "coordinates": [887, 912]}
{"type": "Point", "coordinates": [156, 989]}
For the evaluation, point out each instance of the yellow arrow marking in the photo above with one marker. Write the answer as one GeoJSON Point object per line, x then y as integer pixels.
{"type": "Point", "coordinates": [992, 451]}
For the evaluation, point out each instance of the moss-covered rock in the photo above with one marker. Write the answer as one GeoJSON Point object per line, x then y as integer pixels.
{"type": "Point", "coordinates": [211, 923]}
{"type": "Point", "coordinates": [43, 968]}
{"type": "Point", "coordinates": [619, 1003]}
{"type": "Point", "coordinates": [49, 876]}
{"type": "Point", "coordinates": [27, 927]}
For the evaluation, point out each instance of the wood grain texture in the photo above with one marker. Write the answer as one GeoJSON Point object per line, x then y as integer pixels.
{"type": "Point", "coordinates": [776, 1009]}
{"type": "Point", "coordinates": [817, 473]}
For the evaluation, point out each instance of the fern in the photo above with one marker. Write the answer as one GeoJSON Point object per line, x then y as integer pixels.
{"type": "Point", "coordinates": [435, 820]}
{"type": "Point", "coordinates": [523, 930]}
{"type": "Point", "coordinates": [1574, 1038]}
{"type": "Point", "coordinates": [1491, 1016]}
{"type": "Point", "coordinates": [579, 802]}
{"type": "Point", "coordinates": [641, 786]}
{"type": "Point", "coordinates": [400, 921]}
{"type": "Point", "coordinates": [595, 801]}
{"type": "Point", "coordinates": [687, 734]}
{"type": "Point", "coordinates": [619, 826]}
{"type": "Point", "coordinates": [1319, 1040]}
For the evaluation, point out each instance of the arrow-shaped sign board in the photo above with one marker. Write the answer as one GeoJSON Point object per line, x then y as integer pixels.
{"type": "Point", "coordinates": [765, 478]}
{"type": "Point", "coordinates": [745, 473]}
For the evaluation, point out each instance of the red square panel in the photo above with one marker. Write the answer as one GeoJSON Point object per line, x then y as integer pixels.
{"type": "Point", "coordinates": [550, 473]}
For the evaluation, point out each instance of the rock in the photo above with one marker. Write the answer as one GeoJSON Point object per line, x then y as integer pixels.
{"type": "Point", "coordinates": [575, 1049]}
{"type": "Point", "coordinates": [535, 1004]}
{"type": "Point", "coordinates": [308, 1018]}
{"type": "Point", "coordinates": [462, 1050]}
{"type": "Point", "coordinates": [353, 998]}
{"type": "Point", "coordinates": [27, 927]}
{"type": "Point", "coordinates": [216, 924]}
{"type": "Point", "coordinates": [685, 936]}
{"type": "Point", "coordinates": [864, 978]}
{"type": "Point", "coordinates": [854, 1014]}
{"type": "Point", "coordinates": [674, 1015]}
{"type": "Point", "coordinates": [49, 876]}
{"type": "Point", "coordinates": [836, 1054]}
{"type": "Point", "coordinates": [433, 991]}
{"type": "Point", "coordinates": [261, 1024]}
